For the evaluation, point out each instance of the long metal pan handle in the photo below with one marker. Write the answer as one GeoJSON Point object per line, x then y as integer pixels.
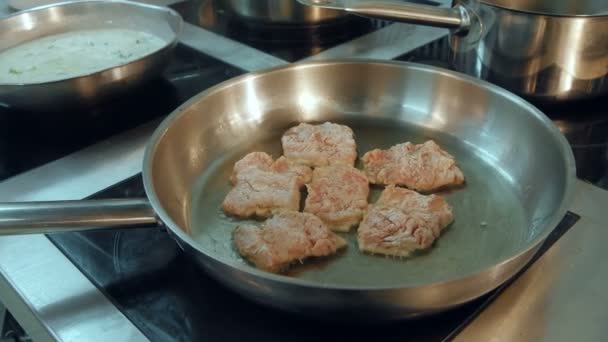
{"type": "Point", "coordinates": [456, 18]}
{"type": "Point", "coordinates": [63, 216]}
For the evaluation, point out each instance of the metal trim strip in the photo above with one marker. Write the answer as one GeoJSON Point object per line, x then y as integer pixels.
{"type": "Point", "coordinates": [227, 50]}
{"type": "Point", "coordinates": [389, 42]}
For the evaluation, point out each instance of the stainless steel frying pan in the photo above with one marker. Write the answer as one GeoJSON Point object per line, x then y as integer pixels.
{"type": "Point", "coordinates": [519, 168]}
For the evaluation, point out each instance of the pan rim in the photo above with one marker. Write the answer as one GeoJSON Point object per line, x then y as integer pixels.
{"type": "Point", "coordinates": [182, 236]}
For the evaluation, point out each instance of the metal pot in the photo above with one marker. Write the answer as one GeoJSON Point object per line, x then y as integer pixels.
{"type": "Point", "coordinates": [278, 11]}
{"type": "Point", "coordinates": [544, 50]}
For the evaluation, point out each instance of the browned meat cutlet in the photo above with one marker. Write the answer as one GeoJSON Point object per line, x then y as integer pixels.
{"type": "Point", "coordinates": [338, 195]}
{"type": "Point", "coordinates": [258, 160]}
{"type": "Point", "coordinates": [403, 221]}
{"type": "Point", "coordinates": [287, 237]}
{"type": "Point", "coordinates": [264, 161]}
{"type": "Point", "coordinates": [320, 145]}
{"type": "Point", "coordinates": [424, 167]}
{"type": "Point", "coordinates": [260, 193]}
{"type": "Point", "coordinates": [262, 186]}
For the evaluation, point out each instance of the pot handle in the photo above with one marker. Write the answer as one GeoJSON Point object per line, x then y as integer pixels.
{"type": "Point", "coordinates": [17, 218]}
{"type": "Point", "coordinates": [456, 18]}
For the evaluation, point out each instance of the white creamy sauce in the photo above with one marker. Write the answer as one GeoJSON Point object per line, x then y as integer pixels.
{"type": "Point", "coordinates": [74, 54]}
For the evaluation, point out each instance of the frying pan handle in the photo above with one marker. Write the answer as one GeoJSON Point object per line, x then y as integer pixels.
{"type": "Point", "coordinates": [64, 216]}
{"type": "Point", "coordinates": [456, 18]}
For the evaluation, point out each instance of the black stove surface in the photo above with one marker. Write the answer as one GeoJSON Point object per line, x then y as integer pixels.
{"type": "Point", "coordinates": [168, 297]}
{"type": "Point", "coordinates": [285, 41]}
{"type": "Point", "coordinates": [44, 137]}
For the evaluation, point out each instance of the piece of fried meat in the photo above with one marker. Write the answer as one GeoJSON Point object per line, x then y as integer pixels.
{"type": "Point", "coordinates": [260, 193]}
{"type": "Point", "coordinates": [338, 195]}
{"type": "Point", "coordinates": [423, 167]}
{"type": "Point", "coordinates": [287, 237]}
{"type": "Point", "coordinates": [403, 221]}
{"type": "Point", "coordinates": [262, 186]}
{"type": "Point", "coordinates": [320, 145]}
{"type": "Point", "coordinates": [264, 161]}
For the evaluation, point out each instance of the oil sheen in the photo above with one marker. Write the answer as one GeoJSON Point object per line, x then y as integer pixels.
{"type": "Point", "coordinates": [74, 54]}
{"type": "Point", "coordinates": [490, 222]}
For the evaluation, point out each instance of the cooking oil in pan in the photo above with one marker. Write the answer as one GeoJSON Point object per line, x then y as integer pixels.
{"type": "Point", "coordinates": [490, 222]}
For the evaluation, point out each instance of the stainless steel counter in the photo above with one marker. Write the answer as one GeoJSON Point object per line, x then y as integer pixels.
{"type": "Point", "coordinates": [558, 299]}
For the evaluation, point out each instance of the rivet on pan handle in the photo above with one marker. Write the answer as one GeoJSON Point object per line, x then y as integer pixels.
{"type": "Point", "coordinates": [63, 216]}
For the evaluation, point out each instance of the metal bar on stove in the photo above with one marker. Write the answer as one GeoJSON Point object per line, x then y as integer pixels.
{"type": "Point", "coordinates": [83, 173]}
{"type": "Point", "coordinates": [386, 43]}
{"type": "Point", "coordinates": [227, 50]}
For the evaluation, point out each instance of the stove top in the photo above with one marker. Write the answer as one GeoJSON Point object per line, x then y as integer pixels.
{"type": "Point", "coordinates": [144, 273]}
